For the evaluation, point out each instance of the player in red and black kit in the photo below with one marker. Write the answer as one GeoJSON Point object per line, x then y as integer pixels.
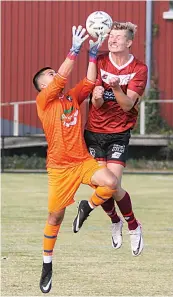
{"type": "Point", "coordinates": [113, 112]}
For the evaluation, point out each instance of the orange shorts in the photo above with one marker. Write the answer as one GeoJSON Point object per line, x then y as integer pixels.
{"type": "Point", "coordinates": [64, 182]}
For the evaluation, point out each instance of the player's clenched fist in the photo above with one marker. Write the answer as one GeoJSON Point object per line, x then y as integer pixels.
{"type": "Point", "coordinates": [98, 92]}
{"type": "Point", "coordinates": [114, 82]}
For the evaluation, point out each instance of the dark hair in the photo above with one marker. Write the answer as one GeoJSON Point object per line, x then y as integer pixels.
{"type": "Point", "coordinates": [37, 76]}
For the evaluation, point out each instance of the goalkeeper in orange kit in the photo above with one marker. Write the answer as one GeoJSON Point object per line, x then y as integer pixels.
{"type": "Point", "coordinates": [68, 161]}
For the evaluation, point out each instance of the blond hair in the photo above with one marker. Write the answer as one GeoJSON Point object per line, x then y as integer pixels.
{"type": "Point", "coordinates": [128, 26]}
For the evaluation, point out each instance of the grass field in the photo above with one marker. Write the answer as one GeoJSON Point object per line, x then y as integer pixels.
{"type": "Point", "coordinates": [85, 263]}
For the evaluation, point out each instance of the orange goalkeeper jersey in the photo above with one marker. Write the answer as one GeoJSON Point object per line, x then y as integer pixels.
{"type": "Point", "coordinates": [61, 119]}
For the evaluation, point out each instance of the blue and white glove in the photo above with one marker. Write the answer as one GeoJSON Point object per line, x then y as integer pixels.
{"type": "Point", "coordinates": [94, 47]}
{"type": "Point", "coordinates": [77, 40]}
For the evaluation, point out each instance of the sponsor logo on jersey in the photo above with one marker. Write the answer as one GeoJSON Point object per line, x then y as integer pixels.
{"type": "Point", "coordinates": [108, 95]}
{"type": "Point", "coordinates": [124, 78]}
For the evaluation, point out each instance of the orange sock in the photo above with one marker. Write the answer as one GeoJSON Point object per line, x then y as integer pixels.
{"type": "Point", "coordinates": [101, 195]}
{"type": "Point", "coordinates": [50, 236]}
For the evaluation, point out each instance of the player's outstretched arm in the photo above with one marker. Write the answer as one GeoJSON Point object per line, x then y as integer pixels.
{"type": "Point", "coordinates": [85, 87]}
{"type": "Point", "coordinates": [97, 96]}
{"type": "Point", "coordinates": [55, 87]}
{"type": "Point", "coordinates": [78, 38]}
{"type": "Point", "coordinates": [93, 51]}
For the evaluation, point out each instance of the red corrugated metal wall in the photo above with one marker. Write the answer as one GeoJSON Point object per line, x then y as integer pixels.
{"type": "Point", "coordinates": [35, 34]}
{"type": "Point", "coordinates": [163, 57]}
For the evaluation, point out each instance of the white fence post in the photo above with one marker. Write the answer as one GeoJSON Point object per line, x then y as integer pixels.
{"type": "Point", "coordinates": [16, 120]}
{"type": "Point", "coordinates": [142, 118]}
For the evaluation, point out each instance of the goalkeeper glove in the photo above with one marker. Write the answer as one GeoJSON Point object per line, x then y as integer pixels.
{"type": "Point", "coordinates": [94, 47]}
{"type": "Point", "coordinates": [77, 41]}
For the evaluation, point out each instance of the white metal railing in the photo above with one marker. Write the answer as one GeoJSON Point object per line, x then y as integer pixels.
{"type": "Point", "coordinates": [142, 112]}
{"type": "Point", "coordinates": [16, 113]}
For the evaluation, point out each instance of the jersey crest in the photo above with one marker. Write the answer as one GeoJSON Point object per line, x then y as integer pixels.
{"type": "Point", "coordinates": [69, 119]}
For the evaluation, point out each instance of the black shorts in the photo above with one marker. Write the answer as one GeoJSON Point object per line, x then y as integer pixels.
{"type": "Point", "coordinates": [112, 148]}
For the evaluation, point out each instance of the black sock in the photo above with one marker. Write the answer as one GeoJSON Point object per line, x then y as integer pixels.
{"type": "Point", "coordinates": [47, 266]}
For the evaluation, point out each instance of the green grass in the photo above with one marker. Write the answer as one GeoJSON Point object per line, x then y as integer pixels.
{"type": "Point", "coordinates": [85, 263]}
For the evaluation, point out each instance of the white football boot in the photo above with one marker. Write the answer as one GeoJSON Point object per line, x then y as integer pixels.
{"type": "Point", "coordinates": [136, 239]}
{"type": "Point", "coordinates": [117, 234]}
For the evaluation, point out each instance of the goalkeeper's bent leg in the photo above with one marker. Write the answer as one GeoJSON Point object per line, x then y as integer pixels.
{"type": "Point", "coordinates": [101, 195]}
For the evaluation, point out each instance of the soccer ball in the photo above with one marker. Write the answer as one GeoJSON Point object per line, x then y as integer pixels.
{"type": "Point", "coordinates": [98, 22]}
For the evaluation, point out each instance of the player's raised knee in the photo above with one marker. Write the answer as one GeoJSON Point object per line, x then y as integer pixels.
{"type": "Point", "coordinates": [111, 181]}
